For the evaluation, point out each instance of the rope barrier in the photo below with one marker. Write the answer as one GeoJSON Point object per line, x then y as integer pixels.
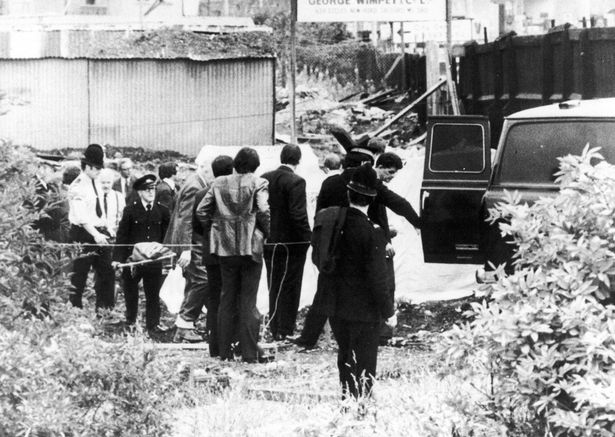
{"type": "Point", "coordinates": [166, 245]}
{"type": "Point", "coordinates": [273, 265]}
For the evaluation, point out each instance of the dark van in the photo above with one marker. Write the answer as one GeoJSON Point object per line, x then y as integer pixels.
{"type": "Point", "coordinates": [462, 180]}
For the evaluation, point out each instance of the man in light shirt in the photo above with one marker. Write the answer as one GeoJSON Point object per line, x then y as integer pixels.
{"type": "Point", "coordinates": [89, 227]}
{"type": "Point", "coordinates": [113, 201]}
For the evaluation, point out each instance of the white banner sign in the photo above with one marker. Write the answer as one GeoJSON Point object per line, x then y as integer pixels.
{"type": "Point", "coordinates": [370, 10]}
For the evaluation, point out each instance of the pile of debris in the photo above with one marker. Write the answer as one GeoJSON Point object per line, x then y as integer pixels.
{"type": "Point", "coordinates": [379, 114]}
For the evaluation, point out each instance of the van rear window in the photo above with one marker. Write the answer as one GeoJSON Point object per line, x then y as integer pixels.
{"type": "Point", "coordinates": [531, 149]}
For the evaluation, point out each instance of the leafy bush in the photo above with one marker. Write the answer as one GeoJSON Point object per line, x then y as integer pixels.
{"type": "Point", "coordinates": [58, 376]}
{"type": "Point", "coordinates": [546, 335]}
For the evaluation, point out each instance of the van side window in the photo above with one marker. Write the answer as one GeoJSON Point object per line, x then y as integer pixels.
{"type": "Point", "coordinates": [531, 149]}
{"type": "Point", "coordinates": [457, 148]}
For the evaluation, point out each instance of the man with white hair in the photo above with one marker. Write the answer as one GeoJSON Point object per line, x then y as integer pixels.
{"type": "Point", "coordinates": [113, 201]}
{"type": "Point", "coordinates": [189, 246]}
{"type": "Point", "coordinates": [124, 183]}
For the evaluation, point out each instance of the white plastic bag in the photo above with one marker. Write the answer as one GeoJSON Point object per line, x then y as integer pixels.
{"type": "Point", "coordinates": [172, 290]}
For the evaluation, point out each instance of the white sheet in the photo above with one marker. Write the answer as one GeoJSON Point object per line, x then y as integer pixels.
{"type": "Point", "coordinates": [416, 281]}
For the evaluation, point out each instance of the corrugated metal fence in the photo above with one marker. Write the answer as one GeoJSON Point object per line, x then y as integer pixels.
{"type": "Point", "coordinates": [174, 104]}
{"type": "Point", "coordinates": [519, 72]}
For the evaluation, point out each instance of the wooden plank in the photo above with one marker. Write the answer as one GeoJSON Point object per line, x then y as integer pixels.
{"type": "Point", "coordinates": [407, 109]}
{"type": "Point", "coordinates": [202, 376]}
{"type": "Point", "coordinates": [432, 65]}
{"type": "Point", "coordinates": [388, 73]}
{"type": "Point", "coordinates": [298, 396]}
{"type": "Point", "coordinates": [181, 346]}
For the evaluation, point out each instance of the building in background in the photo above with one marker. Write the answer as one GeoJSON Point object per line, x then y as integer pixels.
{"type": "Point", "coordinates": [125, 8]}
{"type": "Point", "coordinates": [482, 20]}
{"type": "Point", "coordinates": [133, 8]}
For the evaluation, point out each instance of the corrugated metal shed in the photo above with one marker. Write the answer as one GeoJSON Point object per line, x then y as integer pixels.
{"type": "Point", "coordinates": [163, 89]}
{"type": "Point", "coordinates": [181, 104]}
{"type": "Point", "coordinates": [50, 102]}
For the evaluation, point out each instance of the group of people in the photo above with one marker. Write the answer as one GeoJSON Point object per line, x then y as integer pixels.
{"type": "Point", "coordinates": [222, 224]}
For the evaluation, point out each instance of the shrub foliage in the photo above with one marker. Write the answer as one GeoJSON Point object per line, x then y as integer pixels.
{"type": "Point", "coordinates": [58, 376]}
{"type": "Point", "coordinates": [546, 334]}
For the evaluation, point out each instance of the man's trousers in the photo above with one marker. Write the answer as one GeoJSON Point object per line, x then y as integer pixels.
{"type": "Point", "coordinates": [284, 265]}
{"type": "Point", "coordinates": [96, 257]}
{"type": "Point", "coordinates": [212, 303]}
{"type": "Point", "coordinates": [152, 281]}
{"type": "Point", "coordinates": [240, 278]}
{"type": "Point", "coordinates": [195, 292]}
{"type": "Point", "coordinates": [357, 355]}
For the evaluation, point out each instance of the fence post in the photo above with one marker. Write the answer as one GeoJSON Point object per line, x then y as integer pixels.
{"type": "Point", "coordinates": [495, 111]}
{"type": "Point", "coordinates": [470, 78]}
{"type": "Point", "coordinates": [546, 45]}
{"type": "Point", "coordinates": [588, 88]}
{"type": "Point", "coordinates": [509, 62]}
{"type": "Point", "coordinates": [567, 65]}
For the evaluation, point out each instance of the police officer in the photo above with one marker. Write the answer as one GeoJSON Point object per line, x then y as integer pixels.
{"type": "Point", "coordinates": [143, 220]}
{"type": "Point", "coordinates": [88, 226]}
{"type": "Point", "coordinates": [357, 291]}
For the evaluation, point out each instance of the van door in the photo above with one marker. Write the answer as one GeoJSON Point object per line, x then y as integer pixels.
{"type": "Point", "coordinates": [456, 173]}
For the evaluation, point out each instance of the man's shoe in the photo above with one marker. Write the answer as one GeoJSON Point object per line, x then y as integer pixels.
{"type": "Point", "coordinates": [130, 328]}
{"type": "Point", "coordinates": [109, 320]}
{"type": "Point", "coordinates": [159, 329]}
{"type": "Point", "coordinates": [298, 341]}
{"type": "Point", "coordinates": [186, 336]}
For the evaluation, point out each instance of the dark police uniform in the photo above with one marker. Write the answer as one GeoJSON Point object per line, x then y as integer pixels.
{"type": "Point", "coordinates": [333, 193]}
{"type": "Point", "coordinates": [139, 225]}
{"type": "Point", "coordinates": [362, 301]}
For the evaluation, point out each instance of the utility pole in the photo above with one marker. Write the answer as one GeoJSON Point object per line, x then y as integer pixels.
{"type": "Point", "coordinates": [449, 25]}
{"type": "Point", "coordinates": [403, 56]}
{"type": "Point", "coordinates": [293, 70]}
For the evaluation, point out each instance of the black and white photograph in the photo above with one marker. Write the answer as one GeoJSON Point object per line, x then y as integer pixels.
{"type": "Point", "coordinates": [311, 218]}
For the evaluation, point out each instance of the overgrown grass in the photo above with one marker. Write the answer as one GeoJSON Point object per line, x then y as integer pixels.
{"type": "Point", "coordinates": [410, 399]}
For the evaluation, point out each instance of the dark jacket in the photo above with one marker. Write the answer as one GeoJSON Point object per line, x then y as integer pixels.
{"type": "Point", "coordinates": [137, 226]}
{"type": "Point", "coordinates": [53, 223]}
{"type": "Point", "coordinates": [131, 195]}
{"type": "Point", "coordinates": [333, 193]}
{"type": "Point", "coordinates": [165, 194]}
{"type": "Point", "coordinates": [288, 206]}
{"type": "Point", "coordinates": [357, 290]}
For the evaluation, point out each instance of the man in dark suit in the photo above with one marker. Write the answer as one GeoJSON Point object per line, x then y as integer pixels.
{"type": "Point", "coordinates": [144, 220]}
{"type": "Point", "coordinates": [167, 187]}
{"type": "Point", "coordinates": [357, 289]}
{"type": "Point", "coordinates": [126, 180]}
{"type": "Point", "coordinates": [189, 246]}
{"type": "Point", "coordinates": [333, 193]}
{"type": "Point", "coordinates": [290, 235]}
